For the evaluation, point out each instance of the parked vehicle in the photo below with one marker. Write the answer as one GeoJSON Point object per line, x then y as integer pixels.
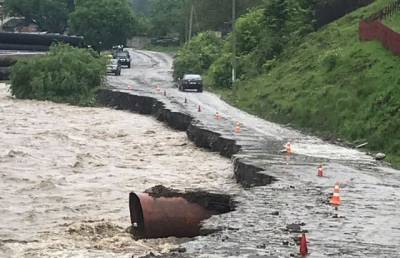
{"type": "Point", "coordinates": [116, 49]}
{"type": "Point", "coordinates": [191, 82]}
{"type": "Point", "coordinates": [123, 58]}
{"type": "Point", "coordinates": [114, 67]}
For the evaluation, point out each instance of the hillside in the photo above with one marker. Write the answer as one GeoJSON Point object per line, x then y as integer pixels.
{"type": "Point", "coordinates": [333, 85]}
{"type": "Point", "coordinates": [394, 22]}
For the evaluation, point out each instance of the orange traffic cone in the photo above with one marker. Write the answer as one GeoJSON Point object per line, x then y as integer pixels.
{"type": "Point", "coordinates": [237, 127]}
{"type": "Point", "coordinates": [217, 116]}
{"type": "Point", "coordinates": [335, 200]}
{"type": "Point", "coordinates": [320, 171]}
{"type": "Point", "coordinates": [303, 245]}
{"type": "Point", "coordinates": [288, 148]}
{"type": "Point", "coordinates": [199, 109]}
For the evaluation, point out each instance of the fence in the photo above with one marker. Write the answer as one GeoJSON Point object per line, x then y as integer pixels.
{"type": "Point", "coordinates": [373, 29]}
{"type": "Point", "coordinates": [385, 12]}
{"type": "Point", "coordinates": [376, 30]}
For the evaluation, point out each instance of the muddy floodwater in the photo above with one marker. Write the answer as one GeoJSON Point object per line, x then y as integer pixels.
{"type": "Point", "coordinates": [66, 172]}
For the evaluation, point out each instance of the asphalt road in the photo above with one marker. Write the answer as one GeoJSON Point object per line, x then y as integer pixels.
{"type": "Point", "coordinates": [366, 224]}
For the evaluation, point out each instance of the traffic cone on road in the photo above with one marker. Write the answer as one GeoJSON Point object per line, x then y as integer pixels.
{"type": "Point", "coordinates": [335, 200]}
{"type": "Point", "coordinates": [288, 148]}
{"type": "Point", "coordinates": [237, 127]}
{"type": "Point", "coordinates": [199, 109]}
{"type": "Point", "coordinates": [217, 116]}
{"type": "Point", "coordinates": [303, 245]}
{"type": "Point", "coordinates": [320, 171]}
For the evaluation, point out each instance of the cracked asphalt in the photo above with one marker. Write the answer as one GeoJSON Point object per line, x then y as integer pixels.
{"type": "Point", "coordinates": [269, 219]}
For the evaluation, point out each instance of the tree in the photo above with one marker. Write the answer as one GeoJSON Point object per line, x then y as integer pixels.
{"type": "Point", "coordinates": [103, 23]}
{"type": "Point", "coordinates": [172, 16]}
{"type": "Point", "coordinates": [141, 6]}
{"type": "Point", "coordinates": [197, 55]}
{"type": "Point", "coordinates": [216, 15]}
{"type": "Point", "coordinates": [49, 15]}
{"type": "Point", "coordinates": [168, 17]}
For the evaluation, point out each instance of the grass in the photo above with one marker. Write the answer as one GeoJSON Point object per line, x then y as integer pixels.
{"type": "Point", "coordinates": [393, 22]}
{"type": "Point", "coordinates": [333, 85]}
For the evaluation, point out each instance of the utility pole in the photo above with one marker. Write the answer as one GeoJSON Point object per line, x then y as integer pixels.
{"type": "Point", "coordinates": [233, 42]}
{"type": "Point", "coordinates": [191, 22]}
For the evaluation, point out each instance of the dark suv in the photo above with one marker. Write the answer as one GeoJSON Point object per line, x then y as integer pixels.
{"type": "Point", "coordinates": [191, 82]}
{"type": "Point", "coordinates": [123, 58]}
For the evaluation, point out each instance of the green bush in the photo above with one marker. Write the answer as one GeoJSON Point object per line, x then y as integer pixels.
{"type": "Point", "coordinates": [65, 74]}
{"type": "Point", "coordinates": [261, 36]}
{"type": "Point", "coordinates": [197, 55]}
{"type": "Point", "coordinates": [220, 72]}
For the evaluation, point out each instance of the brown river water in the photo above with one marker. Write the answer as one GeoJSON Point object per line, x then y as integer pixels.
{"type": "Point", "coordinates": [66, 172]}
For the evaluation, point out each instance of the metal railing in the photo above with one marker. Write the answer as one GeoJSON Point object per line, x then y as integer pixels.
{"type": "Point", "coordinates": [385, 12]}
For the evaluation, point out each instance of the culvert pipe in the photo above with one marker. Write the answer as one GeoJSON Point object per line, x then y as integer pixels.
{"type": "Point", "coordinates": [159, 217]}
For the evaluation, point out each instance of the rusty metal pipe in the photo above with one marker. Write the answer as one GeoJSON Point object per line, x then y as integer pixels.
{"type": "Point", "coordinates": [165, 216]}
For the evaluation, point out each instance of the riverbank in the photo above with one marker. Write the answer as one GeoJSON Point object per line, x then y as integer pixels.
{"type": "Point", "coordinates": [67, 171]}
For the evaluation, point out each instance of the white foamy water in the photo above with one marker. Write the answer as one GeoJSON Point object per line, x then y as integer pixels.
{"type": "Point", "coordinates": [66, 172]}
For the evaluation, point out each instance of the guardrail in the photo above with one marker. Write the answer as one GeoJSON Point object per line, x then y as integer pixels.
{"type": "Point", "coordinates": [372, 28]}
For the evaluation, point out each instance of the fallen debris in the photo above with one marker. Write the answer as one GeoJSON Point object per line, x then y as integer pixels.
{"type": "Point", "coordinates": [362, 145]}
{"type": "Point", "coordinates": [380, 156]}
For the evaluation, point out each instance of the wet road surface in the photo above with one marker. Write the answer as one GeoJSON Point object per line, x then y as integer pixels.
{"type": "Point", "coordinates": [366, 224]}
{"type": "Point", "coordinates": [66, 173]}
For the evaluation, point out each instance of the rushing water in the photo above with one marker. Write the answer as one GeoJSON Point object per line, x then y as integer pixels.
{"type": "Point", "coordinates": [66, 173]}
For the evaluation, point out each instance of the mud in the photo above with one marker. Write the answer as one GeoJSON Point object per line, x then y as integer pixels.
{"type": "Point", "coordinates": [66, 173]}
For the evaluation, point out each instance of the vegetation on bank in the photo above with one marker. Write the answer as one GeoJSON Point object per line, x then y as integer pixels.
{"type": "Point", "coordinates": [198, 54]}
{"type": "Point", "coordinates": [326, 81]}
{"type": "Point", "coordinates": [65, 74]}
{"type": "Point", "coordinates": [394, 22]}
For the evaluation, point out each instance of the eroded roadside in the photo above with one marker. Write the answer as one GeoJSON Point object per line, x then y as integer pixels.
{"type": "Point", "coordinates": [66, 173]}
{"type": "Point", "coordinates": [269, 218]}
